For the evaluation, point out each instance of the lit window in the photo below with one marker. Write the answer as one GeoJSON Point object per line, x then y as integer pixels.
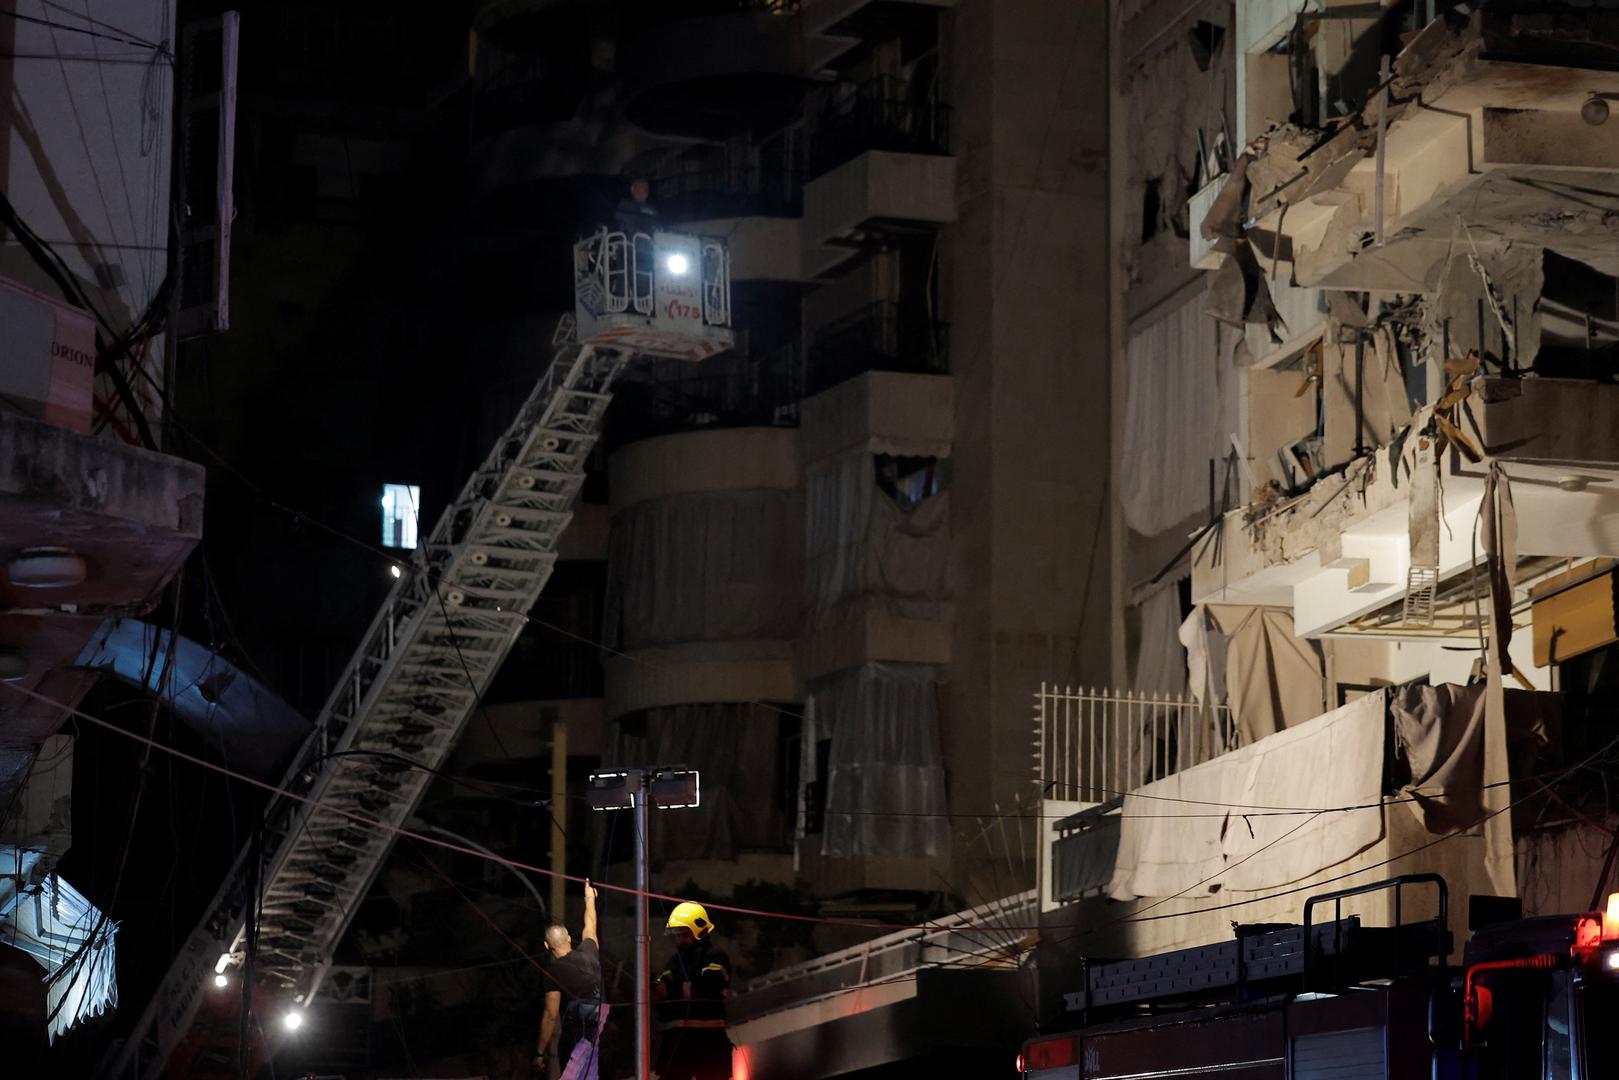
{"type": "Point", "coordinates": [399, 503]}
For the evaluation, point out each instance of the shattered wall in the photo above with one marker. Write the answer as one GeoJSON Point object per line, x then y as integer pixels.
{"type": "Point", "coordinates": [1179, 80]}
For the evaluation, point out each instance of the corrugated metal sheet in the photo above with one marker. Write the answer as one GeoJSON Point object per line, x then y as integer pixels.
{"type": "Point", "coordinates": [1340, 1055]}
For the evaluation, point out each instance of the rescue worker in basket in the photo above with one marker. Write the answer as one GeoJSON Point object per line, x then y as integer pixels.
{"type": "Point", "coordinates": [688, 1001]}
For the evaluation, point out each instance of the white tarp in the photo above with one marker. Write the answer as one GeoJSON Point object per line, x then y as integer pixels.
{"type": "Point", "coordinates": [1332, 761]}
{"type": "Point", "coordinates": [1180, 412]}
{"type": "Point", "coordinates": [861, 544]}
{"type": "Point", "coordinates": [885, 793]}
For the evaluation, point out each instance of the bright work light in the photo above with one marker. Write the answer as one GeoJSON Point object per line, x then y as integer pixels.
{"type": "Point", "coordinates": [677, 264]}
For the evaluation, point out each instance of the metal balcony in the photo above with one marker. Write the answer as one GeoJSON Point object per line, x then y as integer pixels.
{"type": "Point", "coordinates": [882, 337]}
{"type": "Point", "coordinates": [884, 113]}
{"type": "Point", "coordinates": [727, 392]}
{"type": "Point", "coordinates": [709, 194]}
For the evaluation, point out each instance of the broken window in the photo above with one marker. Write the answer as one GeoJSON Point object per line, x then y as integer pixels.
{"type": "Point", "coordinates": [400, 504]}
{"type": "Point", "coordinates": [1152, 208]}
{"type": "Point", "coordinates": [1205, 39]}
{"type": "Point", "coordinates": [908, 480]}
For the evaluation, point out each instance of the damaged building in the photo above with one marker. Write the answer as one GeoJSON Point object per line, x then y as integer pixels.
{"type": "Point", "coordinates": [1365, 529]}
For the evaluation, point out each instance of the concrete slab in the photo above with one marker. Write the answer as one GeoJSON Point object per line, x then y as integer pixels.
{"type": "Point", "coordinates": [131, 514]}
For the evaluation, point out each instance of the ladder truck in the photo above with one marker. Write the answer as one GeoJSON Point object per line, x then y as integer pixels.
{"type": "Point", "coordinates": [422, 666]}
{"type": "Point", "coordinates": [1534, 999]}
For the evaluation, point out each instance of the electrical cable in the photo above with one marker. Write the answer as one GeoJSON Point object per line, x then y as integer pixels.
{"type": "Point", "coordinates": [1315, 885]}
{"type": "Point", "coordinates": [380, 826]}
{"type": "Point", "coordinates": [69, 966]}
{"type": "Point", "coordinates": [121, 37]}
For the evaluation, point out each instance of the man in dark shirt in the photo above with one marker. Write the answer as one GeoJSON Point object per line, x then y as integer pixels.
{"type": "Point", "coordinates": [688, 1000]}
{"type": "Point", "coordinates": [573, 1005]}
{"type": "Point", "coordinates": [634, 213]}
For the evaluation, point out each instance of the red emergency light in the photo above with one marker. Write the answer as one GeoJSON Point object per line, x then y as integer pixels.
{"type": "Point", "coordinates": [1053, 1053]}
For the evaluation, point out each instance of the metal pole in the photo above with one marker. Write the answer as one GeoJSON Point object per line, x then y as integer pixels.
{"type": "Point", "coordinates": [1382, 139]}
{"type": "Point", "coordinates": [643, 940]}
{"type": "Point", "coordinates": [559, 815]}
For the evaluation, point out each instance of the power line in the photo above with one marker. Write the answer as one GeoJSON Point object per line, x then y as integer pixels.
{"type": "Point", "coordinates": [1313, 885]}
{"type": "Point", "coordinates": [376, 824]}
{"type": "Point", "coordinates": [121, 38]}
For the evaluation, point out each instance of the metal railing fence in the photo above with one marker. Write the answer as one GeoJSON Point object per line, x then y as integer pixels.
{"type": "Point", "coordinates": [1093, 745]}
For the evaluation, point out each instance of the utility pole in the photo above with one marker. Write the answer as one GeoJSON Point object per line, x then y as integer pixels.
{"type": "Point", "coordinates": [643, 936]}
{"type": "Point", "coordinates": [559, 814]}
{"type": "Point", "coordinates": [668, 787]}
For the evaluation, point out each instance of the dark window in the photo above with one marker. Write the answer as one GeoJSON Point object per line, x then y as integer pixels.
{"type": "Point", "coordinates": [909, 480]}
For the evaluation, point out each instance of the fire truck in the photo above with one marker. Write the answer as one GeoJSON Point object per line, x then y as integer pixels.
{"type": "Point", "coordinates": [1333, 999]}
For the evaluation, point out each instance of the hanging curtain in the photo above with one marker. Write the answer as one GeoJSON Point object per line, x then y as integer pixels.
{"type": "Point", "coordinates": [736, 748]}
{"type": "Point", "coordinates": [861, 543]}
{"type": "Point", "coordinates": [885, 778]}
{"type": "Point", "coordinates": [1180, 412]}
{"type": "Point", "coordinates": [722, 566]}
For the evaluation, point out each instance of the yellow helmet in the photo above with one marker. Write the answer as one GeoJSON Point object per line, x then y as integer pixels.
{"type": "Point", "coordinates": [693, 917]}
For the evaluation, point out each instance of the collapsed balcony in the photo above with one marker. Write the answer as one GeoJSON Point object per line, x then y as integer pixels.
{"type": "Point", "coordinates": [1488, 126]}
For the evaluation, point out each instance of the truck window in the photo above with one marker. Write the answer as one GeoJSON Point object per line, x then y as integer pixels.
{"type": "Point", "coordinates": [1512, 1047]}
{"type": "Point", "coordinates": [1557, 1054]}
{"type": "Point", "coordinates": [1599, 1000]}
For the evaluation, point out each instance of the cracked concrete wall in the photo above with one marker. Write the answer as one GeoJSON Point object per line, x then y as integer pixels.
{"type": "Point", "coordinates": [1175, 86]}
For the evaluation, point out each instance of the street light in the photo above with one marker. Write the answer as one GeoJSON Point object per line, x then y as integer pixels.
{"type": "Point", "coordinates": [668, 787]}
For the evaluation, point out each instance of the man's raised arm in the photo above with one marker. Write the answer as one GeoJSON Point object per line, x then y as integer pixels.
{"type": "Point", "coordinates": [589, 931]}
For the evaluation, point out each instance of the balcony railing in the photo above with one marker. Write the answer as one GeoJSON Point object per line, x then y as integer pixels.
{"type": "Point", "coordinates": [644, 12]}
{"type": "Point", "coordinates": [724, 193]}
{"type": "Point", "coordinates": [884, 113]}
{"type": "Point", "coordinates": [882, 337]}
{"type": "Point", "coordinates": [1095, 745]}
{"type": "Point", "coordinates": [724, 393]}
{"type": "Point", "coordinates": [992, 936]}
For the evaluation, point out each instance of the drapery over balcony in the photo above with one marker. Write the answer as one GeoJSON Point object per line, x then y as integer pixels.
{"type": "Point", "coordinates": [1416, 751]}
{"type": "Point", "coordinates": [884, 336]}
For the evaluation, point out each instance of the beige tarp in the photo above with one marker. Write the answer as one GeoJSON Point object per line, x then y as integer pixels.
{"type": "Point", "coordinates": [1439, 731]}
{"type": "Point", "coordinates": [1331, 762]}
{"type": "Point", "coordinates": [1274, 679]}
{"type": "Point", "coordinates": [1439, 736]}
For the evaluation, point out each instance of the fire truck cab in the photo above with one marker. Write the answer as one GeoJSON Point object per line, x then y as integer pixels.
{"type": "Point", "coordinates": [1534, 999]}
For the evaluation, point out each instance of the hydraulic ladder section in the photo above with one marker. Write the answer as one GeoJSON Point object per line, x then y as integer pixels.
{"type": "Point", "coordinates": [417, 677]}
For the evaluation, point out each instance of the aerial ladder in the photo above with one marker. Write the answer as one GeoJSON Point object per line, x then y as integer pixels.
{"type": "Point", "coordinates": [422, 667]}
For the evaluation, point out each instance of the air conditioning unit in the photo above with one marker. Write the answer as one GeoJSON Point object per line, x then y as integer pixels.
{"type": "Point", "coordinates": [1203, 255]}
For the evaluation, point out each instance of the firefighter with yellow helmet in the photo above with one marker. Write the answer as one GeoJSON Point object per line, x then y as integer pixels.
{"type": "Point", "coordinates": [688, 1001]}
